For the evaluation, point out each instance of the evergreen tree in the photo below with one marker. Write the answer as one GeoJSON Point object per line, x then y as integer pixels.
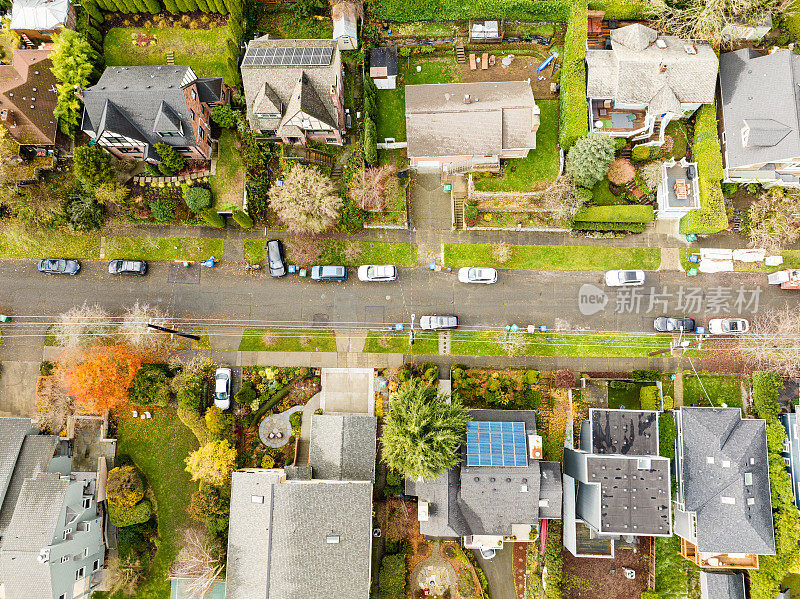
{"type": "Point", "coordinates": [171, 160]}
{"type": "Point", "coordinates": [588, 159]}
{"type": "Point", "coordinates": [232, 48]}
{"type": "Point", "coordinates": [153, 6]}
{"type": "Point", "coordinates": [171, 6]}
{"type": "Point", "coordinates": [191, 5]}
{"type": "Point", "coordinates": [181, 5]}
{"type": "Point", "coordinates": [202, 6]}
{"type": "Point", "coordinates": [235, 30]}
{"type": "Point", "coordinates": [221, 8]}
{"type": "Point", "coordinates": [233, 6]}
{"type": "Point", "coordinates": [93, 10]}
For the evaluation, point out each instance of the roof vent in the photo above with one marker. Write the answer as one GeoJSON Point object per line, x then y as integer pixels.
{"type": "Point", "coordinates": [661, 44]}
{"type": "Point", "coordinates": [748, 478]}
{"type": "Point", "coordinates": [477, 479]}
{"type": "Point", "coordinates": [523, 488]}
{"type": "Point", "coordinates": [710, 460]}
{"type": "Point", "coordinates": [332, 539]}
{"type": "Point", "coordinates": [726, 463]}
{"type": "Point", "coordinates": [256, 499]}
{"type": "Point", "coordinates": [33, 89]}
{"type": "Point", "coordinates": [492, 479]}
{"type": "Point", "coordinates": [727, 500]}
{"type": "Point", "coordinates": [751, 501]}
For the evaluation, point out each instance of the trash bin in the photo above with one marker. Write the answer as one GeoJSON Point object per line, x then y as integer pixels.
{"type": "Point", "coordinates": [447, 187]}
{"type": "Point", "coordinates": [302, 272]}
{"type": "Point", "coordinates": [292, 269]}
{"type": "Point", "coordinates": [4, 318]}
{"type": "Point", "coordinates": [694, 258]}
{"type": "Point", "coordinates": [692, 272]}
{"type": "Point", "coordinates": [700, 330]}
{"type": "Point", "coordinates": [691, 237]}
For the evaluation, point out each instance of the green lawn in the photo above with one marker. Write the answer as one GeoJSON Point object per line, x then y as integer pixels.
{"type": "Point", "coordinates": [625, 397]}
{"type": "Point", "coordinates": [391, 105]}
{"type": "Point", "coordinates": [158, 447]}
{"type": "Point", "coordinates": [288, 340]}
{"type": "Point", "coordinates": [397, 343]}
{"type": "Point", "coordinates": [555, 257]}
{"type": "Point", "coordinates": [255, 250]}
{"type": "Point", "coordinates": [227, 184]}
{"type": "Point", "coordinates": [162, 248]}
{"type": "Point", "coordinates": [201, 49]}
{"type": "Point", "coordinates": [288, 26]}
{"type": "Point", "coordinates": [602, 196]}
{"type": "Point", "coordinates": [334, 252]}
{"type": "Point", "coordinates": [677, 130]}
{"type": "Point", "coordinates": [721, 388]}
{"type": "Point", "coordinates": [559, 344]}
{"type": "Point", "coordinates": [541, 164]}
{"type": "Point", "coordinates": [16, 242]}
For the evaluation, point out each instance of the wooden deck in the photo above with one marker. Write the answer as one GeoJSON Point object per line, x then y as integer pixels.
{"type": "Point", "coordinates": [604, 114]}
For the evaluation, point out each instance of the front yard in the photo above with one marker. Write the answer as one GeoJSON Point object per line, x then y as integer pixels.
{"type": "Point", "coordinates": [720, 388]}
{"type": "Point", "coordinates": [227, 184]}
{"type": "Point", "coordinates": [397, 342]}
{"type": "Point", "coordinates": [550, 257]}
{"type": "Point", "coordinates": [201, 49]}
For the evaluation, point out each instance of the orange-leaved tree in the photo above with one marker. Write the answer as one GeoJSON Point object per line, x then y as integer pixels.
{"type": "Point", "coordinates": [99, 377]}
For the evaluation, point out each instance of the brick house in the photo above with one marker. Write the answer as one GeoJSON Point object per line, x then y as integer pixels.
{"type": "Point", "coordinates": [131, 109]}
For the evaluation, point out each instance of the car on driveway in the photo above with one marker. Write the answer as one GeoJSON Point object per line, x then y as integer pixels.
{"type": "Point", "coordinates": [276, 258]}
{"type": "Point", "coordinates": [438, 322]}
{"type": "Point", "coordinates": [59, 266]}
{"type": "Point", "coordinates": [127, 267]}
{"type": "Point", "coordinates": [728, 326]}
{"type": "Point", "coordinates": [328, 273]}
{"type": "Point", "coordinates": [471, 274]}
{"type": "Point", "coordinates": [673, 324]}
{"type": "Point", "coordinates": [625, 278]}
{"type": "Point", "coordinates": [377, 272]}
{"type": "Point", "coordinates": [222, 388]}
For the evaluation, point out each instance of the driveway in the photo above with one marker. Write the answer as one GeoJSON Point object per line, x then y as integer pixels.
{"type": "Point", "coordinates": [499, 573]}
{"type": "Point", "coordinates": [348, 391]}
{"type": "Point", "coordinates": [430, 204]}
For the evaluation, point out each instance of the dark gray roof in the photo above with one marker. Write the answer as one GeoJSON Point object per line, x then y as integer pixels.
{"type": "Point", "coordinates": [624, 432]}
{"type": "Point", "coordinates": [167, 120]}
{"type": "Point", "coordinates": [342, 447]}
{"type": "Point", "coordinates": [758, 88]}
{"type": "Point", "coordinates": [35, 456]}
{"type": "Point", "coordinates": [444, 515]}
{"type": "Point", "coordinates": [550, 488]}
{"type": "Point", "coordinates": [384, 57]}
{"type": "Point", "coordinates": [721, 585]}
{"type": "Point", "coordinates": [300, 539]}
{"type": "Point", "coordinates": [12, 434]}
{"type": "Point", "coordinates": [209, 89]}
{"type": "Point", "coordinates": [718, 450]}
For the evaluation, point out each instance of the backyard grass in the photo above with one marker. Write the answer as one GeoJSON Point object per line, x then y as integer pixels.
{"type": "Point", "coordinates": [287, 340]}
{"type": "Point", "coordinates": [162, 248]}
{"type": "Point", "coordinates": [201, 49]}
{"type": "Point", "coordinates": [19, 243]}
{"type": "Point", "coordinates": [602, 196]}
{"type": "Point", "coordinates": [677, 130]}
{"type": "Point", "coordinates": [627, 397]}
{"type": "Point", "coordinates": [397, 343]}
{"type": "Point", "coordinates": [158, 446]}
{"type": "Point", "coordinates": [227, 184]}
{"type": "Point", "coordinates": [286, 25]}
{"type": "Point", "coordinates": [721, 388]}
{"type": "Point", "coordinates": [424, 29]}
{"type": "Point", "coordinates": [541, 164]}
{"type": "Point", "coordinates": [544, 257]}
{"type": "Point", "coordinates": [791, 259]}
{"type": "Point", "coordinates": [255, 250]}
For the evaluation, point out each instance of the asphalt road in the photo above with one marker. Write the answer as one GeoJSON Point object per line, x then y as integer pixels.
{"type": "Point", "coordinates": [551, 298]}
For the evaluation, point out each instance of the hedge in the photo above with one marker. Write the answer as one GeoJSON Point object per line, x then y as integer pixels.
{"type": "Point", "coordinates": [242, 219]}
{"type": "Point", "coordinates": [589, 226]}
{"type": "Point", "coordinates": [648, 398]}
{"type": "Point", "coordinates": [121, 517]}
{"type": "Point", "coordinates": [711, 217]}
{"type": "Point", "coordinates": [460, 10]}
{"type": "Point", "coordinates": [616, 214]}
{"type": "Point", "coordinates": [626, 10]}
{"type": "Point", "coordinates": [573, 106]}
{"type": "Point", "coordinates": [667, 433]}
{"type": "Point", "coordinates": [392, 578]}
{"type": "Point", "coordinates": [213, 218]}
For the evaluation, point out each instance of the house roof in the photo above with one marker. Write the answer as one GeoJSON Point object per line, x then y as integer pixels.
{"type": "Point", "coordinates": [760, 92]}
{"type": "Point", "coordinates": [636, 70]}
{"type": "Point", "coordinates": [721, 585]}
{"type": "Point", "coordinates": [305, 100]}
{"type": "Point", "coordinates": [283, 80]}
{"type": "Point", "coordinates": [342, 447]}
{"type": "Point", "coordinates": [721, 453]}
{"type": "Point", "coordinates": [345, 20]}
{"type": "Point", "coordinates": [12, 435]}
{"type": "Point", "coordinates": [298, 539]}
{"type": "Point", "coordinates": [138, 101]}
{"type": "Point", "coordinates": [27, 90]}
{"type": "Point", "coordinates": [499, 116]}
{"type": "Point", "coordinates": [31, 529]}
{"type": "Point", "coordinates": [383, 61]}
{"type": "Point", "coordinates": [41, 15]}
{"type": "Point", "coordinates": [624, 432]}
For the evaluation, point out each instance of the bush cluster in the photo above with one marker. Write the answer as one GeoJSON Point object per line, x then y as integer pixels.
{"type": "Point", "coordinates": [130, 516]}
{"type": "Point", "coordinates": [393, 575]}
{"type": "Point", "coordinates": [213, 218]}
{"type": "Point", "coordinates": [459, 10]}
{"type": "Point", "coordinates": [197, 198]}
{"type": "Point", "coordinates": [150, 387]}
{"type": "Point", "coordinates": [598, 226]}
{"type": "Point", "coordinates": [370, 116]}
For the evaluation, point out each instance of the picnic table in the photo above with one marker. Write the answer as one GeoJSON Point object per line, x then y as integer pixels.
{"type": "Point", "coordinates": [681, 189]}
{"type": "Point", "coordinates": [472, 66]}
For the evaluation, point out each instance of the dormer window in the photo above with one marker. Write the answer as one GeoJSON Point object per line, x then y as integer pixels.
{"type": "Point", "coordinates": [87, 503]}
{"type": "Point", "coordinates": [169, 134]}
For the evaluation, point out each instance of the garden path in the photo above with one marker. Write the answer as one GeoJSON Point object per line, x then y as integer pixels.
{"type": "Point", "coordinates": [305, 429]}
{"type": "Point", "coordinates": [434, 573]}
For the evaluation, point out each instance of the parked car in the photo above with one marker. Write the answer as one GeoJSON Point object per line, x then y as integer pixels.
{"type": "Point", "coordinates": [276, 258]}
{"type": "Point", "coordinates": [127, 267]}
{"type": "Point", "coordinates": [377, 272]}
{"type": "Point", "coordinates": [625, 278]}
{"type": "Point", "coordinates": [673, 324]}
{"type": "Point", "coordinates": [438, 322]}
{"type": "Point", "coordinates": [222, 388]}
{"type": "Point", "coordinates": [468, 274]}
{"type": "Point", "coordinates": [728, 326]}
{"type": "Point", "coordinates": [59, 266]}
{"type": "Point", "coordinates": [328, 273]}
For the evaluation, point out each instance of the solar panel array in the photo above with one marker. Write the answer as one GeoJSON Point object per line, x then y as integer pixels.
{"type": "Point", "coordinates": [288, 57]}
{"type": "Point", "coordinates": [496, 444]}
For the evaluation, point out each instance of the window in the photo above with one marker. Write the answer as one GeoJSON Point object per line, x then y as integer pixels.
{"type": "Point", "coordinates": [203, 110]}
{"type": "Point", "coordinates": [113, 139]}
{"type": "Point", "coordinates": [88, 526]}
{"type": "Point", "coordinates": [192, 114]}
{"type": "Point", "coordinates": [202, 134]}
{"type": "Point", "coordinates": [67, 532]}
{"type": "Point", "coordinates": [194, 94]}
{"type": "Point", "coordinates": [128, 150]}
{"type": "Point", "coordinates": [87, 503]}
{"type": "Point", "coordinates": [223, 96]}
{"type": "Point", "coordinates": [64, 559]}
{"type": "Point", "coordinates": [85, 552]}
{"type": "Point", "coordinates": [62, 596]}
{"type": "Point", "coordinates": [80, 573]}
{"type": "Point", "coordinates": [171, 133]}
{"type": "Point", "coordinates": [96, 565]}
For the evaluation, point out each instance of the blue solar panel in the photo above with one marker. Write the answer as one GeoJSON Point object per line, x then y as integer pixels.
{"type": "Point", "coordinates": [500, 444]}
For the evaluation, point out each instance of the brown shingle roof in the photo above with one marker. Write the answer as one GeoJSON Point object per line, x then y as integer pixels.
{"type": "Point", "coordinates": [26, 91]}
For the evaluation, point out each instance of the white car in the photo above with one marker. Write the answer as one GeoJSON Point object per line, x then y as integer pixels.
{"type": "Point", "coordinates": [625, 278]}
{"type": "Point", "coordinates": [438, 322]}
{"type": "Point", "coordinates": [471, 274]}
{"type": "Point", "coordinates": [222, 388]}
{"type": "Point", "coordinates": [728, 326]}
{"type": "Point", "coordinates": [377, 272]}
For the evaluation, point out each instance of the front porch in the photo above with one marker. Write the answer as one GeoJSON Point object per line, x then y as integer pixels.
{"type": "Point", "coordinates": [717, 560]}
{"type": "Point", "coordinates": [618, 122]}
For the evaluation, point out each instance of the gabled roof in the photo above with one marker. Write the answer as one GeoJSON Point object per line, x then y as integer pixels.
{"type": "Point", "coordinates": [764, 133]}
{"type": "Point", "coordinates": [342, 447]}
{"type": "Point", "coordinates": [167, 120]}
{"type": "Point", "coordinates": [721, 453]}
{"type": "Point", "coordinates": [383, 61]}
{"type": "Point", "coordinates": [306, 102]}
{"type": "Point", "coordinates": [209, 90]}
{"type": "Point", "coordinates": [345, 20]}
{"type": "Point", "coordinates": [721, 585]}
{"type": "Point", "coordinates": [636, 37]}
{"type": "Point", "coordinates": [665, 101]}
{"type": "Point", "coordinates": [41, 15]}
{"type": "Point", "coordinates": [27, 90]}
{"type": "Point", "coordinates": [267, 101]}
{"type": "Point", "coordinates": [12, 435]}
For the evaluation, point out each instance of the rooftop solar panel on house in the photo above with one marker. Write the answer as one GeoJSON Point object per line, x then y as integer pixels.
{"type": "Point", "coordinates": [288, 57]}
{"type": "Point", "coordinates": [500, 444]}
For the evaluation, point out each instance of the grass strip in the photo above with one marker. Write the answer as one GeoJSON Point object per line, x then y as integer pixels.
{"type": "Point", "coordinates": [397, 343]}
{"type": "Point", "coordinates": [315, 340]}
{"type": "Point", "coordinates": [16, 242]}
{"type": "Point", "coordinates": [554, 257]}
{"type": "Point", "coordinates": [255, 250]}
{"type": "Point", "coordinates": [162, 248]}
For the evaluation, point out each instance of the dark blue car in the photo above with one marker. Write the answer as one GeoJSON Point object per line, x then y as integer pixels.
{"type": "Point", "coordinates": [59, 266]}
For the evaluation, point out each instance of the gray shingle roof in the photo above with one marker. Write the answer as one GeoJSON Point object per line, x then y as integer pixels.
{"type": "Point", "coordinates": [342, 447]}
{"type": "Point", "coordinates": [12, 435]}
{"type": "Point", "coordinates": [756, 88]}
{"type": "Point", "coordinates": [718, 449]}
{"type": "Point", "coordinates": [383, 61]}
{"type": "Point", "coordinates": [35, 456]}
{"type": "Point", "coordinates": [636, 37]}
{"type": "Point", "coordinates": [278, 547]}
{"type": "Point", "coordinates": [721, 585]}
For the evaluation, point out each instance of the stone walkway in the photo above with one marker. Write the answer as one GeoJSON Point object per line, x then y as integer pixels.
{"type": "Point", "coordinates": [434, 573]}
{"type": "Point", "coordinates": [277, 424]}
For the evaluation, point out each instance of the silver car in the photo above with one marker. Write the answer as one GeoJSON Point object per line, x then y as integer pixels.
{"type": "Point", "coordinates": [625, 278]}
{"type": "Point", "coordinates": [728, 326]}
{"type": "Point", "coordinates": [471, 274]}
{"type": "Point", "coordinates": [438, 322]}
{"type": "Point", "coordinates": [222, 388]}
{"type": "Point", "coordinates": [377, 272]}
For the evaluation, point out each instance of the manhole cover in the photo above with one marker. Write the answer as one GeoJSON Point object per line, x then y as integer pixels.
{"type": "Point", "coordinates": [320, 321]}
{"type": "Point", "coordinates": [178, 273]}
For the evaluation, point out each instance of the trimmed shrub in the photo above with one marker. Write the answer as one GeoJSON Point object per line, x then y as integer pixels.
{"type": "Point", "coordinates": [640, 153]}
{"type": "Point", "coordinates": [393, 575]}
{"type": "Point", "coordinates": [573, 107]}
{"type": "Point", "coordinates": [648, 398]}
{"type": "Point", "coordinates": [626, 227]}
{"type": "Point", "coordinates": [197, 199]}
{"type": "Point", "coordinates": [171, 160]}
{"type": "Point", "coordinates": [246, 394]}
{"type": "Point", "coordinates": [766, 386]}
{"type": "Point", "coordinates": [370, 142]}
{"type": "Point", "coordinates": [667, 433]}
{"type": "Point", "coordinates": [634, 213]}
{"type": "Point", "coordinates": [122, 516]}
{"type": "Point", "coordinates": [669, 403]}
{"type": "Point", "coordinates": [213, 218]}
{"type": "Point", "coordinates": [124, 487]}
{"type": "Point", "coordinates": [645, 375]}
{"type": "Point", "coordinates": [619, 143]}
{"type": "Point", "coordinates": [242, 219]}
{"type": "Point", "coordinates": [195, 423]}
{"type": "Point", "coordinates": [150, 387]}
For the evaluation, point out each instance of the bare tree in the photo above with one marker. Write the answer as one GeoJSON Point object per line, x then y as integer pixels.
{"type": "Point", "coordinates": [773, 342]}
{"type": "Point", "coordinates": [82, 326]}
{"type": "Point", "coordinates": [123, 575]}
{"type": "Point", "coordinates": [199, 562]}
{"type": "Point", "coordinates": [374, 188]}
{"type": "Point", "coordinates": [137, 334]}
{"type": "Point", "coordinates": [502, 252]}
{"type": "Point", "coordinates": [775, 219]}
{"type": "Point", "coordinates": [307, 201]}
{"type": "Point", "coordinates": [560, 200]}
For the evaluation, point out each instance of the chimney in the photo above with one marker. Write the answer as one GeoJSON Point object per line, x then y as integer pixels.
{"type": "Point", "coordinates": [662, 68]}
{"type": "Point", "coordinates": [7, 118]}
{"type": "Point", "coordinates": [535, 120]}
